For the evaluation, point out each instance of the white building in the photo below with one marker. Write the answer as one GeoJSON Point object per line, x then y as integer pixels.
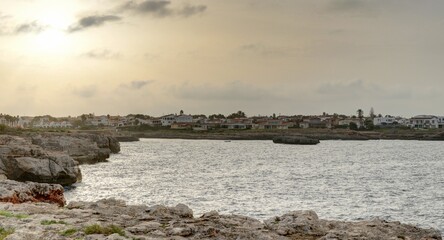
{"type": "Point", "coordinates": [100, 121]}
{"type": "Point", "coordinates": [347, 122]}
{"type": "Point", "coordinates": [382, 121]}
{"type": "Point", "coordinates": [184, 118]}
{"type": "Point", "coordinates": [426, 121]}
{"type": "Point", "coordinates": [25, 122]}
{"type": "Point", "coordinates": [168, 120]}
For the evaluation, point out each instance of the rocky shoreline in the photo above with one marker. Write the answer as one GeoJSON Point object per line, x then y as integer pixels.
{"type": "Point", "coordinates": [114, 219]}
{"type": "Point", "coordinates": [52, 157]}
{"type": "Point", "coordinates": [321, 134]}
{"type": "Point", "coordinates": [32, 209]}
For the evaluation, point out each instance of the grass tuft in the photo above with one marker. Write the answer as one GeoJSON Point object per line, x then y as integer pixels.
{"type": "Point", "coordinates": [5, 232]}
{"type": "Point", "coordinates": [68, 232]}
{"type": "Point", "coordinates": [108, 230]}
{"type": "Point", "coordinates": [50, 222]}
{"type": "Point", "coordinates": [12, 215]}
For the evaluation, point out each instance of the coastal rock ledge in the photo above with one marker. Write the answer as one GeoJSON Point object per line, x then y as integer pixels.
{"type": "Point", "coordinates": [21, 160]}
{"type": "Point", "coordinates": [297, 140]}
{"type": "Point", "coordinates": [114, 219]}
{"type": "Point", "coordinates": [52, 157]}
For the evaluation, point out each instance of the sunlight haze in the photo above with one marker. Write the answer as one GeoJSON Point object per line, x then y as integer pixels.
{"type": "Point", "coordinates": [260, 56]}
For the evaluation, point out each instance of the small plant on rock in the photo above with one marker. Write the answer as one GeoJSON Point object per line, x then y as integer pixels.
{"type": "Point", "coordinates": [108, 230]}
{"type": "Point", "coordinates": [5, 232]}
{"type": "Point", "coordinates": [68, 232]}
{"type": "Point", "coordinates": [12, 215]}
{"type": "Point", "coordinates": [50, 222]}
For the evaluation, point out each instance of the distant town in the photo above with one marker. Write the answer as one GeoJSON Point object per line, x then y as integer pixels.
{"type": "Point", "coordinates": [237, 120]}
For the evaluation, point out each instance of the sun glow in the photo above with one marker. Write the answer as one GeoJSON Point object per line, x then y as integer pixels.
{"type": "Point", "coordinates": [51, 40]}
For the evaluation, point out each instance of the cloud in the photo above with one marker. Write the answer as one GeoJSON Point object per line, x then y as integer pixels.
{"type": "Point", "coordinates": [104, 54]}
{"type": "Point", "coordinates": [231, 91]}
{"type": "Point", "coordinates": [190, 10]}
{"type": "Point", "coordinates": [86, 91]}
{"type": "Point", "coordinates": [136, 85]}
{"type": "Point", "coordinates": [355, 7]}
{"type": "Point", "coordinates": [3, 16]}
{"type": "Point", "coordinates": [93, 21]}
{"type": "Point", "coordinates": [32, 27]}
{"type": "Point", "coordinates": [347, 5]}
{"type": "Point", "coordinates": [157, 8]}
{"type": "Point", "coordinates": [361, 89]}
{"type": "Point", "coordinates": [264, 50]}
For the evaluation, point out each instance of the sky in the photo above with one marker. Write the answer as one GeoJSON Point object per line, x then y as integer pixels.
{"type": "Point", "coordinates": [260, 56]}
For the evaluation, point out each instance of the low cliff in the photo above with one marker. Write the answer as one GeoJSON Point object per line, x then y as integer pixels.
{"type": "Point", "coordinates": [22, 160]}
{"type": "Point", "coordinates": [83, 147]}
{"type": "Point", "coordinates": [52, 157]}
{"type": "Point", "coordinates": [113, 219]}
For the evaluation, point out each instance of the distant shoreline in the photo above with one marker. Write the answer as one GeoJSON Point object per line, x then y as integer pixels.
{"type": "Point", "coordinates": [321, 134]}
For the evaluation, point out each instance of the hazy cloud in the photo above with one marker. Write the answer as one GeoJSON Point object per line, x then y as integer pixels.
{"type": "Point", "coordinates": [93, 21]}
{"type": "Point", "coordinates": [161, 8]}
{"type": "Point", "coordinates": [357, 7]}
{"type": "Point", "coordinates": [139, 84]}
{"type": "Point", "coordinates": [156, 8]}
{"type": "Point", "coordinates": [32, 27]}
{"type": "Point", "coordinates": [264, 50]}
{"type": "Point", "coordinates": [104, 54]}
{"type": "Point", "coordinates": [232, 91]}
{"type": "Point", "coordinates": [3, 16]}
{"type": "Point", "coordinates": [362, 89]}
{"type": "Point", "coordinates": [347, 5]}
{"type": "Point", "coordinates": [190, 10]}
{"type": "Point", "coordinates": [86, 91]}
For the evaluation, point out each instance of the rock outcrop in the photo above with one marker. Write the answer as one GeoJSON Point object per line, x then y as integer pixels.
{"type": "Point", "coordinates": [113, 219]}
{"type": "Point", "coordinates": [22, 160]}
{"type": "Point", "coordinates": [296, 140]}
{"type": "Point", "coordinates": [19, 192]}
{"type": "Point", "coordinates": [84, 148]}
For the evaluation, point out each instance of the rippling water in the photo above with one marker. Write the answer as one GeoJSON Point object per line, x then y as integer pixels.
{"type": "Point", "coordinates": [349, 180]}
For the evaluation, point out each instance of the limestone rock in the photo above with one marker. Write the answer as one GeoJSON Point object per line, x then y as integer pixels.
{"type": "Point", "coordinates": [18, 192]}
{"type": "Point", "coordinates": [83, 147]}
{"type": "Point", "coordinates": [162, 222]}
{"type": "Point", "coordinates": [23, 161]}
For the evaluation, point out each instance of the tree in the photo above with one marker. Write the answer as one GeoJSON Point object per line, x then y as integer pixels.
{"type": "Point", "coordinates": [238, 114]}
{"type": "Point", "coordinates": [372, 113]}
{"type": "Point", "coordinates": [353, 126]}
{"type": "Point", "coordinates": [216, 116]}
{"type": "Point", "coordinates": [181, 112]}
{"type": "Point", "coordinates": [360, 113]}
{"type": "Point", "coordinates": [360, 116]}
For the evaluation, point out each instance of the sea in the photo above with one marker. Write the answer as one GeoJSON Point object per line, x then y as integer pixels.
{"type": "Point", "coordinates": [395, 180]}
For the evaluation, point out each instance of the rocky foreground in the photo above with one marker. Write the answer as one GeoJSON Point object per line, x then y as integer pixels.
{"type": "Point", "coordinates": [52, 157]}
{"type": "Point", "coordinates": [113, 219]}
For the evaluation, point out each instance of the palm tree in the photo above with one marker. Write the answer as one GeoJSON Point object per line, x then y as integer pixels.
{"type": "Point", "coordinates": [360, 115]}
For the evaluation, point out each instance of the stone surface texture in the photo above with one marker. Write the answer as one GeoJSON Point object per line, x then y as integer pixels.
{"type": "Point", "coordinates": [19, 192]}
{"type": "Point", "coordinates": [161, 222]}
